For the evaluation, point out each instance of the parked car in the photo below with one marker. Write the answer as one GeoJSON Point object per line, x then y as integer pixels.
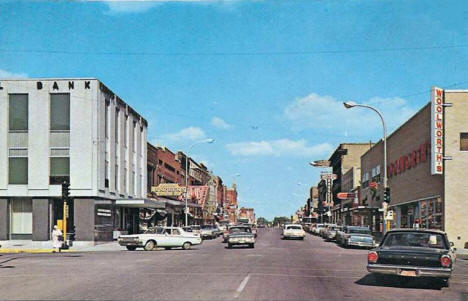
{"type": "Point", "coordinates": [166, 237]}
{"type": "Point", "coordinates": [355, 236]}
{"type": "Point", "coordinates": [225, 234]}
{"type": "Point", "coordinates": [331, 232]}
{"type": "Point", "coordinates": [323, 230]}
{"type": "Point", "coordinates": [413, 253]}
{"type": "Point", "coordinates": [208, 231]}
{"type": "Point", "coordinates": [317, 228]}
{"type": "Point", "coordinates": [293, 231]}
{"type": "Point", "coordinates": [253, 227]}
{"type": "Point", "coordinates": [196, 229]}
{"type": "Point", "coordinates": [241, 235]}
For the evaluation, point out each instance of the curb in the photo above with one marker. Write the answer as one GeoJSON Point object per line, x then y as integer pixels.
{"type": "Point", "coordinates": [16, 251]}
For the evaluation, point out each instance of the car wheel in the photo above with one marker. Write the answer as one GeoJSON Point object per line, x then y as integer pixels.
{"type": "Point", "coordinates": [440, 282]}
{"type": "Point", "coordinates": [252, 246]}
{"type": "Point", "coordinates": [167, 248]}
{"type": "Point", "coordinates": [229, 246]}
{"type": "Point", "coordinates": [187, 245]}
{"type": "Point", "coordinates": [131, 248]}
{"type": "Point", "coordinates": [302, 238]}
{"type": "Point", "coordinates": [150, 245]}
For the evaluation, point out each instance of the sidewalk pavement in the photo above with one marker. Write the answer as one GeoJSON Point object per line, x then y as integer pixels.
{"type": "Point", "coordinates": [462, 254]}
{"type": "Point", "coordinates": [28, 246]}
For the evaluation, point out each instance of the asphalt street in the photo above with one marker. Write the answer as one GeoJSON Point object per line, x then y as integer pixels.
{"type": "Point", "coordinates": [274, 270]}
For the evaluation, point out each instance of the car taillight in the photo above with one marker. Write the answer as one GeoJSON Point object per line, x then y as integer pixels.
{"type": "Point", "coordinates": [446, 261]}
{"type": "Point", "coordinates": [372, 257]}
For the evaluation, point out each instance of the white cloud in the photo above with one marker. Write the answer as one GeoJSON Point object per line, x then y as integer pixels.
{"type": "Point", "coordinates": [190, 133]}
{"type": "Point", "coordinates": [325, 112]}
{"type": "Point", "coordinates": [220, 123]}
{"type": "Point", "coordinates": [278, 147]}
{"type": "Point", "coordinates": [8, 74]}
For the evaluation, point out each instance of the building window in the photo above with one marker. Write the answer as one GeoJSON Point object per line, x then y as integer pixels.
{"type": "Point", "coordinates": [18, 170]}
{"type": "Point", "coordinates": [106, 118]}
{"type": "Point", "coordinates": [18, 112]}
{"type": "Point", "coordinates": [106, 175]}
{"type": "Point", "coordinates": [125, 180]}
{"type": "Point", "coordinates": [60, 112]}
{"type": "Point", "coordinates": [117, 125]}
{"type": "Point", "coordinates": [126, 131]}
{"type": "Point", "coordinates": [464, 141]}
{"type": "Point", "coordinates": [116, 180]}
{"type": "Point", "coordinates": [59, 170]}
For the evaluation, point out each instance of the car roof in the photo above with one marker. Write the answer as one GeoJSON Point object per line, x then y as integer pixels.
{"type": "Point", "coordinates": [416, 230]}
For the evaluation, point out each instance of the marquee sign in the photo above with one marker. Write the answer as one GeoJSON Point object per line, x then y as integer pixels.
{"type": "Point", "coordinates": [437, 131]}
{"type": "Point", "coordinates": [168, 189]}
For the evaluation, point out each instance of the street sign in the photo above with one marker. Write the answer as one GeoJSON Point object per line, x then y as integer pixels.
{"type": "Point", "coordinates": [389, 215]}
{"type": "Point", "coordinates": [345, 195]}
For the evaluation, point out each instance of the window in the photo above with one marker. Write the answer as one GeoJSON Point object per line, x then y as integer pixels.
{"type": "Point", "coordinates": [106, 175]}
{"type": "Point", "coordinates": [117, 125]}
{"type": "Point", "coordinates": [116, 180]}
{"type": "Point", "coordinates": [126, 131]}
{"type": "Point", "coordinates": [59, 167]}
{"type": "Point", "coordinates": [21, 216]}
{"type": "Point", "coordinates": [106, 118]}
{"type": "Point", "coordinates": [18, 170]}
{"type": "Point", "coordinates": [18, 112]}
{"type": "Point", "coordinates": [464, 141]}
{"type": "Point", "coordinates": [60, 112]}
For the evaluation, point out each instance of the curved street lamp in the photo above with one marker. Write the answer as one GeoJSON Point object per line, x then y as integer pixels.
{"type": "Point", "coordinates": [209, 140]}
{"type": "Point", "coordinates": [351, 104]}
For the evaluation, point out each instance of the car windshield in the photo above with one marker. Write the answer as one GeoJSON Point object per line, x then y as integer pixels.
{"type": "Point", "coordinates": [207, 227]}
{"type": "Point", "coordinates": [294, 228]}
{"type": "Point", "coordinates": [335, 228]}
{"type": "Point", "coordinates": [415, 239]}
{"type": "Point", "coordinates": [359, 231]}
{"type": "Point", "coordinates": [154, 231]}
{"type": "Point", "coordinates": [196, 227]}
{"type": "Point", "coordinates": [239, 230]}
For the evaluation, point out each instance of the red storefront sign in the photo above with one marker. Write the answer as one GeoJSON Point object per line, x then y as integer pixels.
{"type": "Point", "coordinates": [409, 161]}
{"type": "Point", "coordinates": [437, 130]}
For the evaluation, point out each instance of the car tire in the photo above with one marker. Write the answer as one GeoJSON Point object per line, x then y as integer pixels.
{"type": "Point", "coordinates": [131, 248]}
{"type": "Point", "coordinates": [302, 238]}
{"type": "Point", "coordinates": [187, 245]}
{"type": "Point", "coordinates": [150, 245]}
{"type": "Point", "coordinates": [229, 246]}
{"type": "Point", "coordinates": [167, 248]}
{"type": "Point", "coordinates": [252, 246]}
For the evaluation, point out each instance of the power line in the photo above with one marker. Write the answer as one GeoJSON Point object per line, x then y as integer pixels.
{"type": "Point", "coordinates": [233, 53]}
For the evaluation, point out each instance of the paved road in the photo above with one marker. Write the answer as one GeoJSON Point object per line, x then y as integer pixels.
{"type": "Point", "coordinates": [274, 270]}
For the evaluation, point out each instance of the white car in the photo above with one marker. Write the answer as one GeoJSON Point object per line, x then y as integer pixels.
{"type": "Point", "coordinates": [293, 231]}
{"type": "Point", "coordinates": [165, 237]}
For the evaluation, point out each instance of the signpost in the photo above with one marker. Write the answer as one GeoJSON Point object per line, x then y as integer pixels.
{"type": "Point", "coordinates": [437, 130]}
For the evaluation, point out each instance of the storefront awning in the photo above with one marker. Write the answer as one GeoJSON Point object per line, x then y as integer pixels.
{"type": "Point", "coordinates": [175, 203]}
{"type": "Point", "coordinates": [140, 203]}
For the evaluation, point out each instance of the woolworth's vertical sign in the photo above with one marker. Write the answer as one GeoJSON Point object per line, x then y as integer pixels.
{"type": "Point", "coordinates": [437, 131]}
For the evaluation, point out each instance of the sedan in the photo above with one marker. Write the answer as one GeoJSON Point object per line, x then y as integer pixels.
{"type": "Point", "coordinates": [413, 253]}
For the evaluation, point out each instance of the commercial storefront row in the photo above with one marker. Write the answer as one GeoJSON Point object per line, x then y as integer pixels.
{"type": "Point", "coordinates": [89, 219]}
{"type": "Point", "coordinates": [427, 170]}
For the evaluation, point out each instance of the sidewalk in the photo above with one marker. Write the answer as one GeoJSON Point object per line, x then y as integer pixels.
{"type": "Point", "coordinates": [462, 254]}
{"type": "Point", "coordinates": [28, 246]}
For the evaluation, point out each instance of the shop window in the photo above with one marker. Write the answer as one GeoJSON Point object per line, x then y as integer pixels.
{"type": "Point", "coordinates": [17, 170]}
{"type": "Point", "coordinates": [18, 112]}
{"type": "Point", "coordinates": [464, 141]}
{"type": "Point", "coordinates": [21, 216]}
{"type": "Point", "coordinates": [60, 112]}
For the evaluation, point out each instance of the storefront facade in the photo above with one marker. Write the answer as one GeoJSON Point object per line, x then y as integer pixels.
{"type": "Point", "coordinates": [427, 167]}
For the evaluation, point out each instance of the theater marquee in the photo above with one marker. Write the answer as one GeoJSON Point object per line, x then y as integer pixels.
{"type": "Point", "coordinates": [437, 131]}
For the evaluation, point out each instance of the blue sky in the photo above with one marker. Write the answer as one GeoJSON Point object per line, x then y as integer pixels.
{"type": "Point", "coordinates": [264, 78]}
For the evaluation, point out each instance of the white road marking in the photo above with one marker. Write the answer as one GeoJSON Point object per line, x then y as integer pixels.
{"type": "Point", "coordinates": [242, 286]}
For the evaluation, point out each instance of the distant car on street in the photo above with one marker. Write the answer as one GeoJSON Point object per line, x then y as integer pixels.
{"type": "Point", "coordinates": [413, 253]}
{"type": "Point", "coordinates": [293, 231]}
{"type": "Point", "coordinates": [318, 228]}
{"type": "Point", "coordinates": [208, 231]}
{"type": "Point", "coordinates": [166, 237]}
{"type": "Point", "coordinates": [241, 235]}
{"type": "Point", "coordinates": [355, 236]}
{"type": "Point", "coordinates": [331, 232]}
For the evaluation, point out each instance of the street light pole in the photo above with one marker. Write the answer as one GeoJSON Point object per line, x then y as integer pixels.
{"type": "Point", "coordinates": [186, 175]}
{"type": "Point", "coordinates": [349, 105]}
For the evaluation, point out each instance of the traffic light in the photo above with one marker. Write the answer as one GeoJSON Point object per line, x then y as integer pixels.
{"type": "Point", "coordinates": [65, 190]}
{"type": "Point", "coordinates": [387, 195]}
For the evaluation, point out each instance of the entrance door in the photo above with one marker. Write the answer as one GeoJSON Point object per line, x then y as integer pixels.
{"type": "Point", "coordinates": [21, 218]}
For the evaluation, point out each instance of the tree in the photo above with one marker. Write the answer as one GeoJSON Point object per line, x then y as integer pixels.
{"type": "Point", "coordinates": [262, 221]}
{"type": "Point", "coordinates": [278, 220]}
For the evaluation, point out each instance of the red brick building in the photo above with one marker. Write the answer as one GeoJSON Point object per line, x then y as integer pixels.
{"type": "Point", "coordinates": [163, 167]}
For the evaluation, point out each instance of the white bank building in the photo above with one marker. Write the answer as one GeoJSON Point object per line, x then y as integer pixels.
{"type": "Point", "coordinates": [75, 130]}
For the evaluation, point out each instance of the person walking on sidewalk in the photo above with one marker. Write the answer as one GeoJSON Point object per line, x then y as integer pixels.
{"type": "Point", "coordinates": [56, 236]}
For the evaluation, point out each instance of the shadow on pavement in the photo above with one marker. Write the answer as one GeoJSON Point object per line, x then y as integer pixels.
{"type": "Point", "coordinates": [398, 282]}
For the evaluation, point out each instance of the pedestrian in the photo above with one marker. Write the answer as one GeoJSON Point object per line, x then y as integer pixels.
{"type": "Point", "coordinates": [56, 239]}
